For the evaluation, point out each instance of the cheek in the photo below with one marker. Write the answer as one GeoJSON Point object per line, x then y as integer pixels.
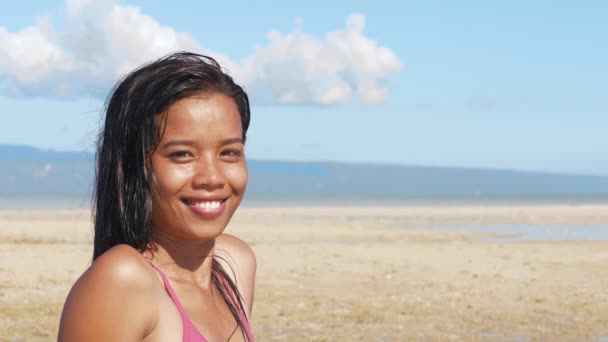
{"type": "Point", "coordinates": [170, 178]}
{"type": "Point", "coordinates": [237, 176]}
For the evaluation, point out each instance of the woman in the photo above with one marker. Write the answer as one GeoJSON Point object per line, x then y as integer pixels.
{"type": "Point", "coordinates": [171, 172]}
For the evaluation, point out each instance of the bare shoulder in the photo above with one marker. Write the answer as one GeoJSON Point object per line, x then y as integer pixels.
{"type": "Point", "coordinates": [239, 260]}
{"type": "Point", "coordinates": [236, 247]}
{"type": "Point", "coordinates": [111, 300]}
{"type": "Point", "coordinates": [121, 266]}
{"type": "Point", "coordinates": [122, 263]}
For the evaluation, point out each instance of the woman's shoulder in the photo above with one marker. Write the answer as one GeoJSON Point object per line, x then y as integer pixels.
{"type": "Point", "coordinates": [121, 266]}
{"type": "Point", "coordinates": [239, 260]}
{"type": "Point", "coordinates": [236, 247]}
{"type": "Point", "coordinates": [122, 262]}
{"type": "Point", "coordinates": [98, 300]}
{"type": "Point", "coordinates": [236, 254]}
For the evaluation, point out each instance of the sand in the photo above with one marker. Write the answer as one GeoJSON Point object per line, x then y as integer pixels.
{"type": "Point", "coordinates": [356, 273]}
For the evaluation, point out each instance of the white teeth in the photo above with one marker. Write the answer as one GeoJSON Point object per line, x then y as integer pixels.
{"type": "Point", "coordinates": [208, 205]}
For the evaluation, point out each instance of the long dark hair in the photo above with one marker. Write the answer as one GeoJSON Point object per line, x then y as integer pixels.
{"type": "Point", "coordinates": [122, 198]}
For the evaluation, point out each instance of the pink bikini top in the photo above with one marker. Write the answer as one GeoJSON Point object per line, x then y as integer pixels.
{"type": "Point", "coordinates": [191, 333]}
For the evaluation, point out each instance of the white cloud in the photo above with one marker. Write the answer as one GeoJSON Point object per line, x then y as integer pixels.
{"type": "Point", "coordinates": [30, 57]}
{"type": "Point", "coordinates": [102, 42]}
{"type": "Point", "coordinates": [297, 68]}
{"type": "Point", "coordinates": [105, 39]}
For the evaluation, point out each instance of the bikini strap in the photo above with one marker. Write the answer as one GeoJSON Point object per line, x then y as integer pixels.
{"type": "Point", "coordinates": [239, 308]}
{"type": "Point", "coordinates": [172, 294]}
{"type": "Point", "coordinates": [184, 316]}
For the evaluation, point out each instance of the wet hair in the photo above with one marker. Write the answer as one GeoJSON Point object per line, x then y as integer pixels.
{"type": "Point", "coordinates": [122, 202]}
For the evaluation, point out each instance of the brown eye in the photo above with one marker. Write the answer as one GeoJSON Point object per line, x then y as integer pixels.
{"type": "Point", "coordinates": [180, 155]}
{"type": "Point", "coordinates": [231, 154]}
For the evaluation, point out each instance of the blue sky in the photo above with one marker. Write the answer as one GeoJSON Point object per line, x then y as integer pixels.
{"type": "Point", "coordinates": [494, 84]}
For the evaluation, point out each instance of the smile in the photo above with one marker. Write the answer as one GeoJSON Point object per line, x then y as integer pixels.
{"type": "Point", "coordinates": [204, 208]}
{"type": "Point", "coordinates": [207, 205]}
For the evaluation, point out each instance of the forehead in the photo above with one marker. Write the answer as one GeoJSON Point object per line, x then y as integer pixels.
{"type": "Point", "coordinates": [201, 116]}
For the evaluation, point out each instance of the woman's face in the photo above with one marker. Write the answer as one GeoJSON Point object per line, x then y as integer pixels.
{"type": "Point", "coordinates": [199, 168]}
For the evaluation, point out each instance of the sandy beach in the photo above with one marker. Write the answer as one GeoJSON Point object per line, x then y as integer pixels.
{"type": "Point", "coordinates": [357, 273]}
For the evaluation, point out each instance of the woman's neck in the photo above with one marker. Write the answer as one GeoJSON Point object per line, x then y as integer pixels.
{"type": "Point", "coordinates": [184, 261]}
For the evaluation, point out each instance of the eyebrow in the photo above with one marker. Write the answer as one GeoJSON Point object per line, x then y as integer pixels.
{"type": "Point", "coordinates": [232, 141]}
{"type": "Point", "coordinates": [185, 142]}
{"type": "Point", "coordinates": [177, 142]}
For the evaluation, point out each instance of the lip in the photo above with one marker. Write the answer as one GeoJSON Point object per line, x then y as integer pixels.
{"type": "Point", "coordinates": [206, 213]}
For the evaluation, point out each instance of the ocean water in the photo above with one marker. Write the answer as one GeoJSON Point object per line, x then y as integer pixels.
{"type": "Point", "coordinates": [84, 201]}
{"type": "Point", "coordinates": [507, 233]}
{"type": "Point", "coordinates": [45, 202]}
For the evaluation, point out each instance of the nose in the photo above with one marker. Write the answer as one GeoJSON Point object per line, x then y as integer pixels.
{"type": "Point", "coordinates": [208, 174]}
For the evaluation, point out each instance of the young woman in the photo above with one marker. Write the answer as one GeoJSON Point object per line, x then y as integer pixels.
{"type": "Point", "coordinates": [170, 174]}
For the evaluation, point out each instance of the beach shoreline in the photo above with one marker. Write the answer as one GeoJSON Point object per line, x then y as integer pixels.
{"type": "Point", "coordinates": [336, 273]}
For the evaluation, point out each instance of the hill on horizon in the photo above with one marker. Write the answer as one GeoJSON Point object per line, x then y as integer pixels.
{"type": "Point", "coordinates": [29, 171]}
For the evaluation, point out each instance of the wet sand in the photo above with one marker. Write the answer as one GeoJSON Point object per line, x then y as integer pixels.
{"type": "Point", "coordinates": [356, 273]}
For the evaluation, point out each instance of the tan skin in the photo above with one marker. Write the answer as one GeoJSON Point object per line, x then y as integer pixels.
{"type": "Point", "coordinates": [120, 297]}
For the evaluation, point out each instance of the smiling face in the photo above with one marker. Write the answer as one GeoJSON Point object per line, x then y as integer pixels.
{"type": "Point", "coordinates": [199, 168]}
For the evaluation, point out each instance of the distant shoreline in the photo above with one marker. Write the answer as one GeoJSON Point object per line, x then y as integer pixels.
{"type": "Point", "coordinates": [84, 202]}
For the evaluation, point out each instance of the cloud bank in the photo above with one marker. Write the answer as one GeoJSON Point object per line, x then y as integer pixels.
{"type": "Point", "coordinates": [103, 40]}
